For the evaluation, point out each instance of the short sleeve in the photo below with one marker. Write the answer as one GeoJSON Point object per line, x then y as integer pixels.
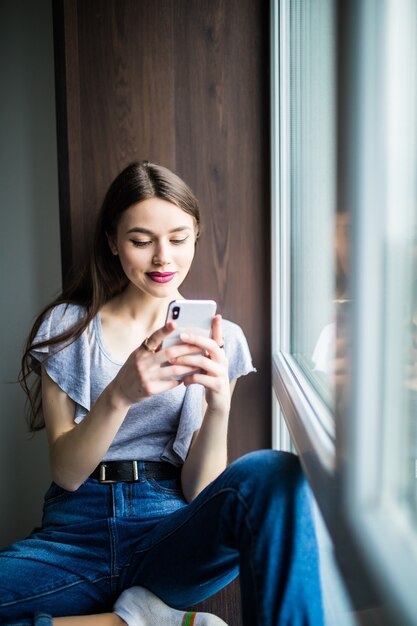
{"type": "Point", "coordinates": [237, 351]}
{"type": "Point", "coordinates": [68, 364]}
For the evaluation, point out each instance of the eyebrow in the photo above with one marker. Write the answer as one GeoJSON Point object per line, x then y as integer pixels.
{"type": "Point", "coordinates": [146, 231]}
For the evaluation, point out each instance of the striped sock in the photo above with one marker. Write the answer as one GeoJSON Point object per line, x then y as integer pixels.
{"type": "Point", "coordinates": [189, 619]}
{"type": "Point", "coordinates": [138, 606]}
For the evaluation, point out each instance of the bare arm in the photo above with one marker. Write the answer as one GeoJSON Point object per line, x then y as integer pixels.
{"type": "Point", "coordinates": [76, 449]}
{"type": "Point", "coordinates": [207, 457]}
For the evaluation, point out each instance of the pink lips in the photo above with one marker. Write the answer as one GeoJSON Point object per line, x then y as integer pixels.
{"type": "Point", "coordinates": [161, 277]}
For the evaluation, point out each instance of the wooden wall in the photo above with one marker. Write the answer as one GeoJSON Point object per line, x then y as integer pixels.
{"type": "Point", "coordinates": [184, 83]}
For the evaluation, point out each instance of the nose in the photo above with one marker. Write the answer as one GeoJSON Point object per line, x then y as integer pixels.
{"type": "Point", "coordinates": [162, 255]}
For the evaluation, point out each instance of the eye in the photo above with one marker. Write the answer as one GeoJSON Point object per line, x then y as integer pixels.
{"type": "Point", "coordinates": [178, 242]}
{"type": "Point", "coordinates": [140, 244]}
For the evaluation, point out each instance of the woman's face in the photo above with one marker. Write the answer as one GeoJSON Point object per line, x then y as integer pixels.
{"type": "Point", "coordinates": [155, 241]}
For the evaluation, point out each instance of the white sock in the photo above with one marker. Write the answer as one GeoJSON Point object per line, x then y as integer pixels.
{"type": "Point", "coordinates": [138, 606]}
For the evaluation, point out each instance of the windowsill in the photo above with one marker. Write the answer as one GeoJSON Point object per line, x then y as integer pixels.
{"type": "Point", "coordinates": [308, 423]}
{"type": "Point", "coordinates": [305, 418]}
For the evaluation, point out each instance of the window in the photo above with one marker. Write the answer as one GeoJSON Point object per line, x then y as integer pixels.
{"type": "Point", "coordinates": [381, 425]}
{"type": "Point", "coordinates": [344, 120]}
{"type": "Point", "coordinates": [304, 119]}
{"type": "Point", "coordinates": [310, 181]}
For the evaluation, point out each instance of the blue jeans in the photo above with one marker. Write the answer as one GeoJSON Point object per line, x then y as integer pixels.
{"type": "Point", "coordinates": [254, 519]}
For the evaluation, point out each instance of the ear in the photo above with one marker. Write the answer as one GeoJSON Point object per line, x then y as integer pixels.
{"type": "Point", "coordinates": [112, 244]}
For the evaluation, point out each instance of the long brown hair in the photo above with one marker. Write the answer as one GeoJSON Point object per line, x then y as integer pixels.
{"type": "Point", "coordinates": [103, 277]}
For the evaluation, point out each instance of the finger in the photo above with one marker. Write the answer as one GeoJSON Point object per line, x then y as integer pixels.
{"type": "Point", "coordinates": [166, 373]}
{"type": "Point", "coordinates": [208, 382]}
{"type": "Point", "coordinates": [216, 329]}
{"type": "Point", "coordinates": [171, 353]}
{"type": "Point", "coordinates": [155, 340]}
{"type": "Point", "coordinates": [199, 361]}
{"type": "Point", "coordinates": [205, 343]}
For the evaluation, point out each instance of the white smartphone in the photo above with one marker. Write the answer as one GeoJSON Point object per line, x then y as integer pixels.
{"type": "Point", "coordinates": [190, 316]}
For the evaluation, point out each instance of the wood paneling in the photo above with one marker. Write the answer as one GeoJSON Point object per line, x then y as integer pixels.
{"type": "Point", "coordinates": [184, 83]}
{"type": "Point", "coordinates": [115, 90]}
{"type": "Point", "coordinates": [222, 150]}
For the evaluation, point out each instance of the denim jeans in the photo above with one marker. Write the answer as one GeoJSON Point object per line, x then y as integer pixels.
{"type": "Point", "coordinates": [254, 519]}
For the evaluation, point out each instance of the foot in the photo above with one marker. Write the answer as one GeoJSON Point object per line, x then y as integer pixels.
{"type": "Point", "coordinates": [139, 607]}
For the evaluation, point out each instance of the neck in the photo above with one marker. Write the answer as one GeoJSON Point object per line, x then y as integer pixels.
{"type": "Point", "coordinates": [135, 306]}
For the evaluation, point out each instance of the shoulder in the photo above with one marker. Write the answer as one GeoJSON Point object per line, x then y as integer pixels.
{"type": "Point", "coordinates": [65, 315]}
{"type": "Point", "coordinates": [59, 339]}
{"type": "Point", "coordinates": [232, 331]}
{"type": "Point", "coordinates": [65, 353]}
{"type": "Point", "coordinates": [58, 320]}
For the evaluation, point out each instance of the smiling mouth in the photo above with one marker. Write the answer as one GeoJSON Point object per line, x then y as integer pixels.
{"type": "Point", "coordinates": [161, 277]}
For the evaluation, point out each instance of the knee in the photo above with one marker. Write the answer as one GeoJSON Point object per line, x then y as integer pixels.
{"type": "Point", "coordinates": [270, 483]}
{"type": "Point", "coordinates": [264, 462]}
{"type": "Point", "coordinates": [272, 470]}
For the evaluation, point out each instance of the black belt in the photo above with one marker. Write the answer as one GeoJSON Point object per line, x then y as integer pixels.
{"type": "Point", "coordinates": [132, 471]}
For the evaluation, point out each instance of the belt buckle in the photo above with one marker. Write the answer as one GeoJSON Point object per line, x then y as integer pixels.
{"type": "Point", "coordinates": [135, 471]}
{"type": "Point", "coordinates": [103, 478]}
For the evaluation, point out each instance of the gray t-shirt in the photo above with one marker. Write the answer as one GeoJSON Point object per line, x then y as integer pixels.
{"type": "Point", "coordinates": [158, 428]}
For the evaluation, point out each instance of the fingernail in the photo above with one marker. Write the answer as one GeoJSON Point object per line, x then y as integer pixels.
{"type": "Point", "coordinates": [184, 336]}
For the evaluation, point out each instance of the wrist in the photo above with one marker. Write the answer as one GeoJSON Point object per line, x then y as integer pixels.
{"type": "Point", "coordinates": [115, 399]}
{"type": "Point", "coordinates": [220, 414]}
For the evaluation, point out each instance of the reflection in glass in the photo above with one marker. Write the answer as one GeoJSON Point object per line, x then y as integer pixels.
{"type": "Point", "coordinates": [411, 390]}
{"type": "Point", "coordinates": [399, 459]}
{"type": "Point", "coordinates": [311, 126]}
{"type": "Point", "coordinates": [398, 462]}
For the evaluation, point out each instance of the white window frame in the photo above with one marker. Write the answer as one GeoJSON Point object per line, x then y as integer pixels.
{"type": "Point", "coordinates": [378, 525]}
{"type": "Point", "coordinates": [341, 462]}
{"type": "Point", "coordinates": [308, 419]}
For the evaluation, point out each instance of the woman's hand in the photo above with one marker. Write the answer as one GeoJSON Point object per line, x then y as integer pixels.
{"type": "Point", "coordinates": [210, 358]}
{"type": "Point", "coordinates": [149, 369]}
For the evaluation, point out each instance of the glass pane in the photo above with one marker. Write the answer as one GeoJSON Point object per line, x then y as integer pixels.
{"type": "Point", "coordinates": [399, 461]}
{"type": "Point", "coordinates": [312, 189]}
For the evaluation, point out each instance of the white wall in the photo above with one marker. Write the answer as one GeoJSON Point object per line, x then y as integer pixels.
{"type": "Point", "coordinates": [30, 250]}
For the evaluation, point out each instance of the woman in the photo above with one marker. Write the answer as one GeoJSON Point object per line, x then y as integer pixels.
{"type": "Point", "coordinates": [141, 504]}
